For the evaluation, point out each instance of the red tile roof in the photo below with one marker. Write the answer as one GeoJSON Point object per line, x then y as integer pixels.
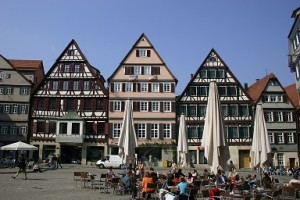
{"type": "Point", "coordinates": [292, 93]}
{"type": "Point", "coordinates": [257, 88]}
{"type": "Point", "coordinates": [25, 64]}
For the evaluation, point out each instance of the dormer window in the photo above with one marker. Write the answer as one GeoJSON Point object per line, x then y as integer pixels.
{"type": "Point", "coordinates": [143, 53]}
{"type": "Point", "coordinates": [71, 52]}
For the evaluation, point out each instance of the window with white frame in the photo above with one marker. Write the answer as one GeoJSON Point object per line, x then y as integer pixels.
{"type": "Point", "coordinates": [117, 105]}
{"type": "Point", "coordinates": [14, 130]}
{"type": "Point", "coordinates": [23, 130]}
{"type": "Point", "coordinates": [24, 90]}
{"type": "Point", "coordinates": [167, 87]}
{"type": "Point", "coordinates": [192, 132]}
{"type": "Point", "coordinates": [271, 138]}
{"type": "Point", "coordinates": [144, 106]}
{"type": "Point", "coordinates": [77, 68]}
{"type": "Point", "coordinates": [128, 87]}
{"type": "Point", "coordinates": [147, 70]}
{"type": "Point", "coordinates": [155, 87]}
{"type": "Point", "coordinates": [4, 129]}
{"type": "Point", "coordinates": [55, 85]}
{"type": "Point", "coordinates": [137, 70]}
{"type": "Point", "coordinates": [167, 130]}
{"type": "Point", "coordinates": [67, 68]}
{"type": "Point", "coordinates": [269, 116]}
{"type": "Point", "coordinates": [117, 87]}
{"type": "Point", "coordinates": [144, 87]}
{"type": "Point", "coordinates": [289, 116]}
{"type": "Point", "coordinates": [155, 106]}
{"type": "Point", "coordinates": [23, 109]}
{"type": "Point", "coordinates": [272, 98]}
{"type": "Point", "coordinates": [280, 159]}
{"type": "Point", "coordinates": [65, 85]}
{"type": "Point", "coordinates": [290, 138]}
{"type": "Point", "coordinates": [142, 130]}
{"type": "Point", "coordinates": [9, 90]}
{"type": "Point", "coordinates": [6, 108]}
{"type": "Point", "coordinates": [142, 53]}
{"type": "Point", "coordinates": [15, 108]}
{"type": "Point", "coordinates": [201, 110]}
{"type": "Point", "coordinates": [235, 132]}
{"type": "Point", "coordinates": [280, 137]}
{"type": "Point", "coordinates": [245, 131]}
{"type": "Point", "coordinates": [279, 116]}
{"type": "Point", "coordinates": [154, 130]}
{"type": "Point", "coordinates": [167, 106]}
{"type": "Point", "coordinates": [116, 130]}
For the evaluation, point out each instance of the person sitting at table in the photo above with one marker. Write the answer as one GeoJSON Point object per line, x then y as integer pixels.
{"type": "Point", "coordinates": [165, 187]}
{"type": "Point", "coordinates": [146, 179]}
{"type": "Point", "coordinates": [182, 187]}
{"type": "Point", "coordinates": [153, 175]}
{"type": "Point", "coordinates": [222, 178]}
{"type": "Point", "coordinates": [110, 172]}
{"type": "Point", "coordinates": [127, 182]}
{"type": "Point", "coordinates": [267, 182]}
{"type": "Point", "coordinates": [190, 179]}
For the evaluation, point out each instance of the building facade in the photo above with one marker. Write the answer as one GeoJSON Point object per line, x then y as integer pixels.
{"type": "Point", "coordinates": [236, 107]}
{"type": "Point", "coordinates": [144, 78]}
{"type": "Point", "coordinates": [69, 110]}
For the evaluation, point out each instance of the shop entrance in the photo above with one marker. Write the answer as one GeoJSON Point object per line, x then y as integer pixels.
{"type": "Point", "coordinates": [71, 154]}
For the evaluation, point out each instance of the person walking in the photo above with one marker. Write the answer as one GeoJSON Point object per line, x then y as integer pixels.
{"type": "Point", "coordinates": [58, 161]}
{"type": "Point", "coordinates": [21, 166]}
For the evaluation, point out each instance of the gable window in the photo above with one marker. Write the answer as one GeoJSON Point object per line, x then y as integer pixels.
{"type": "Point", "coordinates": [193, 110]}
{"type": "Point", "coordinates": [137, 70]}
{"type": "Point", "coordinates": [280, 138]}
{"type": "Point", "coordinates": [116, 130]}
{"type": "Point", "coordinates": [193, 91]}
{"type": "Point", "coordinates": [167, 87]}
{"type": "Point", "coordinates": [71, 52]}
{"type": "Point", "coordinates": [203, 91]}
{"type": "Point", "coordinates": [220, 73]}
{"type": "Point", "coordinates": [77, 68]}
{"type": "Point", "coordinates": [143, 106]}
{"type": "Point", "coordinates": [67, 68]}
{"type": "Point", "coordinates": [212, 73]}
{"type": "Point", "coordinates": [232, 91]}
{"type": "Point", "coordinates": [222, 91]}
{"type": "Point", "coordinates": [143, 53]}
{"type": "Point", "coordinates": [147, 70]}
{"type": "Point", "coordinates": [166, 130]}
{"type": "Point", "coordinates": [117, 87]}
{"type": "Point", "coordinates": [128, 87]}
{"type": "Point", "coordinates": [65, 85]}
{"type": "Point", "coordinates": [155, 87]}
{"type": "Point", "coordinates": [155, 106]}
{"type": "Point", "coordinates": [117, 106]}
{"type": "Point", "coordinates": [271, 138]}
{"type": "Point", "coordinates": [154, 131]}
{"type": "Point", "coordinates": [55, 85]}
{"type": "Point", "coordinates": [290, 138]}
{"type": "Point", "coordinates": [203, 73]}
{"type": "Point", "coordinates": [167, 106]}
{"type": "Point", "coordinates": [142, 130]}
{"type": "Point", "coordinates": [86, 85]}
{"type": "Point", "coordinates": [75, 85]}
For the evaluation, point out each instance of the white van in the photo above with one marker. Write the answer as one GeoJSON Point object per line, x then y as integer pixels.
{"type": "Point", "coordinates": [110, 161]}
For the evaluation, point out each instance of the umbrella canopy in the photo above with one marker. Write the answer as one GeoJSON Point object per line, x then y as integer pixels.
{"type": "Point", "coordinates": [127, 141]}
{"type": "Point", "coordinates": [182, 148]}
{"type": "Point", "coordinates": [19, 146]}
{"type": "Point", "coordinates": [260, 143]}
{"type": "Point", "coordinates": [214, 141]}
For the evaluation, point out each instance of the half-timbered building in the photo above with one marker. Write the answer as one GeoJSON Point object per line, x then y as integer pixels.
{"type": "Point", "coordinates": [69, 109]}
{"type": "Point", "coordinates": [144, 78]}
{"type": "Point", "coordinates": [236, 107]}
{"type": "Point", "coordinates": [279, 111]}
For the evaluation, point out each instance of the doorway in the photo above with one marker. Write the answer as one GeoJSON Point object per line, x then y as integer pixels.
{"type": "Point", "coordinates": [244, 158]}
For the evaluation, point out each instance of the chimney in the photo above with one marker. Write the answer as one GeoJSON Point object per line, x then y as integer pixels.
{"type": "Point", "coordinates": [191, 76]}
{"type": "Point", "coordinates": [257, 79]}
{"type": "Point", "coordinates": [246, 86]}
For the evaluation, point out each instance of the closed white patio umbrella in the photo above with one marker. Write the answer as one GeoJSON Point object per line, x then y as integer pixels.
{"type": "Point", "coordinates": [214, 141]}
{"type": "Point", "coordinates": [127, 141]}
{"type": "Point", "coordinates": [182, 147]}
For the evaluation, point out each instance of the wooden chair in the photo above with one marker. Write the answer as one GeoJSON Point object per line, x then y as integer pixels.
{"type": "Point", "coordinates": [85, 179]}
{"type": "Point", "coordinates": [152, 189]}
{"type": "Point", "coordinates": [113, 184]}
{"type": "Point", "coordinates": [288, 192]}
{"type": "Point", "coordinates": [77, 177]}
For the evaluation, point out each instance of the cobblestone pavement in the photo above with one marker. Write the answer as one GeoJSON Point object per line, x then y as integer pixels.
{"type": "Point", "coordinates": [58, 184]}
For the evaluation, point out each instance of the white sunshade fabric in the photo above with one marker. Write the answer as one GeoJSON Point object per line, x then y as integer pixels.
{"type": "Point", "coordinates": [18, 146]}
{"type": "Point", "coordinates": [182, 148]}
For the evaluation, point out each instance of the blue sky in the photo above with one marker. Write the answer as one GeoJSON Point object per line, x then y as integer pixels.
{"type": "Point", "coordinates": [249, 35]}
